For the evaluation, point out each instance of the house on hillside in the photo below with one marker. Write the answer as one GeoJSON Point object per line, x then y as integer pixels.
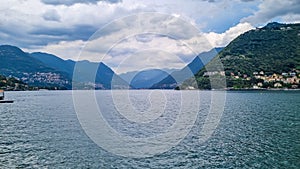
{"type": "Point", "coordinates": [277, 85]}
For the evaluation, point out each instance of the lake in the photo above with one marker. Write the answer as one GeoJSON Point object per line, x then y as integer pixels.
{"type": "Point", "coordinates": [155, 129]}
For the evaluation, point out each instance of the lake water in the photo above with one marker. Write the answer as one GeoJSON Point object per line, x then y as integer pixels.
{"type": "Point", "coordinates": [258, 129]}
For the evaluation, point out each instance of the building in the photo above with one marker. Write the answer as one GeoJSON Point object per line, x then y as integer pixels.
{"type": "Point", "coordinates": [277, 85]}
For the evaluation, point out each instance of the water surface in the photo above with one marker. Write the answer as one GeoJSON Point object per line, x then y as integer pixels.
{"type": "Point", "coordinates": [257, 130]}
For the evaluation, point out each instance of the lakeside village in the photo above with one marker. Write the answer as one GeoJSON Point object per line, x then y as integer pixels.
{"type": "Point", "coordinates": [49, 78]}
{"type": "Point", "coordinates": [259, 80]}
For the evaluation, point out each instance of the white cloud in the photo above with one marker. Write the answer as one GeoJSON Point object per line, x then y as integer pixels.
{"type": "Point", "coordinates": [63, 49]}
{"type": "Point", "coordinates": [128, 49]}
{"type": "Point", "coordinates": [64, 27]}
{"type": "Point", "coordinates": [274, 9]}
{"type": "Point", "coordinates": [28, 24]}
{"type": "Point", "coordinates": [32, 20]}
{"type": "Point", "coordinates": [223, 39]}
{"type": "Point", "coordinates": [290, 18]}
{"type": "Point", "coordinates": [146, 59]}
{"type": "Point", "coordinates": [72, 2]}
{"type": "Point", "coordinates": [159, 32]}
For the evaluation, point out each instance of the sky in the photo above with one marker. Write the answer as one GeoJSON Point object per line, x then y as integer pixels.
{"type": "Point", "coordinates": [130, 35]}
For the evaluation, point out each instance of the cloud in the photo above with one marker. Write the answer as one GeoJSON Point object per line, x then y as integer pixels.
{"type": "Point", "coordinates": [274, 9]}
{"type": "Point", "coordinates": [75, 32]}
{"type": "Point", "coordinates": [127, 37]}
{"type": "Point", "coordinates": [141, 32]}
{"type": "Point", "coordinates": [51, 15]}
{"type": "Point", "coordinates": [209, 0]}
{"type": "Point", "coordinates": [223, 39]}
{"type": "Point", "coordinates": [63, 49]}
{"type": "Point", "coordinates": [72, 2]}
{"type": "Point", "coordinates": [146, 59]}
{"type": "Point", "coordinates": [31, 24]}
{"type": "Point", "coordinates": [64, 27]}
{"type": "Point", "coordinates": [144, 37]}
{"type": "Point", "coordinates": [172, 40]}
{"type": "Point", "coordinates": [135, 45]}
{"type": "Point", "coordinates": [128, 55]}
{"type": "Point", "coordinates": [290, 18]}
{"type": "Point", "coordinates": [220, 0]}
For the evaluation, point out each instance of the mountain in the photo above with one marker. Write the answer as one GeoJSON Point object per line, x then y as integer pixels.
{"type": "Point", "coordinates": [177, 77]}
{"type": "Point", "coordinates": [147, 78]}
{"type": "Point", "coordinates": [265, 57]}
{"type": "Point", "coordinates": [88, 74]}
{"type": "Point", "coordinates": [128, 76]}
{"type": "Point", "coordinates": [54, 62]}
{"type": "Point", "coordinates": [14, 60]}
{"type": "Point", "coordinates": [18, 64]}
{"type": "Point", "coordinates": [101, 74]}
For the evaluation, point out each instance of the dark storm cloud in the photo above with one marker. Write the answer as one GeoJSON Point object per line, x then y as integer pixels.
{"type": "Point", "coordinates": [82, 32]}
{"type": "Point", "coordinates": [42, 36]}
{"type": "Point", "coordinates": [72, 2]}
{"type": "Point", "coordinates": [24, 41]}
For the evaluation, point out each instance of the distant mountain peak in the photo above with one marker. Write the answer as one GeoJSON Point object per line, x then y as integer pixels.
{"type": "Point", "coordinates": [274, 25]}
{"type": "Point", "coordinates": [11, 48]}
{"type": "Point", "coordinates": [177, 77]}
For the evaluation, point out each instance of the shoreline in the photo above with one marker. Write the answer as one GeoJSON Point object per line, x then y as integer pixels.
{"type": "Point", "coordinates": [264, 89]}
{"type": "Point", "coordinates": [246, 89]}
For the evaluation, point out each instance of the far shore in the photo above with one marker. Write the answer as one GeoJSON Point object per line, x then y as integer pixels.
{"type": "Point", "coordinates": [228, 89]}
{"type": "Point", "coordinates": [264, 89]}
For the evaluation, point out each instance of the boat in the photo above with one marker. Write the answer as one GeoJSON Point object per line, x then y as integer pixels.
{"type": "Point", "coordinates": [2, 98]}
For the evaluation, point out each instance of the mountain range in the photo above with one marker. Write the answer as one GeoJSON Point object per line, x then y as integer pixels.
{"type": "Point", "coordinates": [177, 77]}
{"type": "Point", "coordinates": [47, 70]}
{"type": "Point", "coordinates": [18, 64]}
{"type": "Point", "coordinates": [264, 57]}
{"type": "Point", "coordinates": [86, 72]}
{"type": "Point", "coordinates": [145, 79]}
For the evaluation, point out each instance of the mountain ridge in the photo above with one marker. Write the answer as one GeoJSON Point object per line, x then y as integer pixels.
{"type": "Point", "coordinates": [178, 77]}
{"type": "Point", "coordinates": [47, 70]}
{"type": "Point", "coordinates": [18, 64]}
{"type": "Point", "coordinates": [260, 58]}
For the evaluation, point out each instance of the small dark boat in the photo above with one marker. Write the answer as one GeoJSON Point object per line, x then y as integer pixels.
{"type": "Point", "coordinates": [2, 98]}
{"type": "Point", "coordinates": [6, 101]}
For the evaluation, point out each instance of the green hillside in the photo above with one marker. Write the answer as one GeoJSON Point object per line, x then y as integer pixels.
{"type": "Point", "coordinates": [16, 63]}
{"type": "Point", "coordinates": [10, 83]}
{"type": "Point", "coordinates": [260, 58]}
